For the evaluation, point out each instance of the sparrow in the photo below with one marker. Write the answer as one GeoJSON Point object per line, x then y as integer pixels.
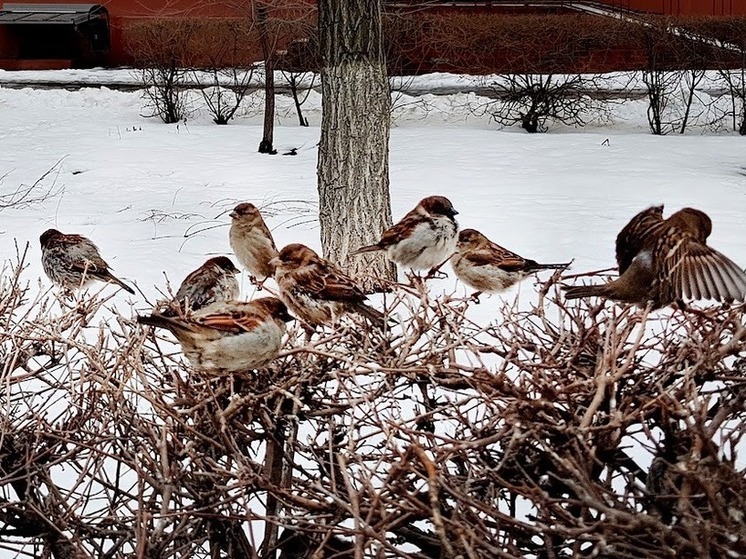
{"type": "Point", "coordinates": [424, 238]}
{"type": "Point", "coordinates": [317, 291]}
{"type": "Point", "coordinates": [666, 260]}
{"type": "Point", "coordinates": [73, 261]}
{"type": "Point", "coordinates": [212, 282]}
{"type": "Point", "coordinates": [490, 268]}
{"type": "Point", "coordinates": [252, 241]}
{"type": "Point", "coordinates": [228, 336]}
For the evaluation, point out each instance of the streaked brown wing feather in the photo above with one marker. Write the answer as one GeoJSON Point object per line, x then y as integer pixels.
{"type": "Point", "coordinates": [82, 253]}
{"type": "Point", "coordinates": [231, 322]}
{"type": "Point", "coordinates": [94, 266]}
{"type": "Point", "coordinates": [338, 286]}
{"type": "Point", "coordinates": [642, 232]}
{"type": "Point", "coordinates": [401, 229]}
{"type": "Point", "coordinates": [630, 241]}
{"type": "Point", "coordinates": [701, 272]}
{"type": "Point", "coordinates": [496, 255]}
{"type": "Point", "coordinates": [485, 258]}
{"type": "Point", "coordinates": [308, 279]}
{"type": "Point", "coordinates": [71, 240]}
{"type": "Point", "coordinates": [324, 282]}
{"type": "Point", "coordinates": [265, 230]}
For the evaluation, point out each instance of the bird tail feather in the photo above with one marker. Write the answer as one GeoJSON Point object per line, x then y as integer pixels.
{"type": "Point", "coordinates": [108, 276]}
{"type": "Point", "coordinates": [374, 315]}
{"type": "Point", "coordinates": [160, 321]}
{"type": "Point", "coordinates": [579, 291]}
{"type": "Point", "coordinates": [363, 250]}
{"type": "Point", "coordinates": [562, 266]}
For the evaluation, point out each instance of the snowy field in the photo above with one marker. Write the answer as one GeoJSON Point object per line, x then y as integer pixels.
{"type": "Point", "coordinates": [155, 197]}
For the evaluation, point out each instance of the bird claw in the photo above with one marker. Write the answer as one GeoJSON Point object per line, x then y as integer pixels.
{"type": "Point", "coordinates": [255, 281]}
{"type": "Point", "coordinates": [436, 273]}
{"type": "Point", "coordinates": [475, 297]}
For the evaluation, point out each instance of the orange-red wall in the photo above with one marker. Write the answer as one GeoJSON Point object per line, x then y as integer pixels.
{"type": "Point", "coordinates": [124, 12]}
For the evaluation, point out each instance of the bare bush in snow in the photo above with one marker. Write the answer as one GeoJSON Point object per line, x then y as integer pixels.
{"type": "Point", "coordinates": [554, 431]}
{"type": "Point", "coordinates": [161, 49]}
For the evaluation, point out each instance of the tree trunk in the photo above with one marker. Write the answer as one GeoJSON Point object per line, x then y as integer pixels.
{"type": "Point", "coordinates": [266, 145]}
{"type": "Point", "coordinates": [353, 166]}
{"type": "Point", "coordinates": [293, 83]}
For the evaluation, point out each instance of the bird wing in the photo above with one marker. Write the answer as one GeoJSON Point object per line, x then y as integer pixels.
{"type": "Point", "coordinates": [265, 231]}
{"type": "Point", "coordinates": [71, 239]}
{"type": "Point", "coordinates": [198, 287]}
{"type": "Point", "coordinates": [698, 271]}
{"type": "Point", "coordinates": [231, 320]}
{"type": "Point", "coordinates": [629, 243]}
{"type": "Point", "coordinates": [82, 254]}
{"type": "Point", "coordinates": [338, 286]}
{"type": "Point", "coordinates": [326, 282]}
{"type": "Point", "coordinates": [496, 255]}
{"type": "Point", "coordinates": [401, 230]}
{"type": "Point", "coordinates": [640, 233]}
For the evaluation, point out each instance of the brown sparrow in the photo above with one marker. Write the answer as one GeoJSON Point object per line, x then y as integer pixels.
{"type": "Point", "coordinates": [667, 260]}
{"type": "Point", "coordinates": [212, 282]}
{"type": "Point", "coordinates": [315, 290]}
{"type": "Point", "coordinates": [73, 261]}
{"type": "Point", "coordinates": [252, 241]}
{"type": "Point", "coordinates": [424, 238]}
{"type": "Point", "coordinates": [229, 336]}
{"type": "Point", "coordinates": [490, 268]}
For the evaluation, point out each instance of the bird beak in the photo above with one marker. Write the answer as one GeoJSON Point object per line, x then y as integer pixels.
{"type": "Point", "coordinates": [234, 215]}
{"type": "Point", "coordinates": [454, 213]}
{"type": "Point", "coordinates": [275, 262]}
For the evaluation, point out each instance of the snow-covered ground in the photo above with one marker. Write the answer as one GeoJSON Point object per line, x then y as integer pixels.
{"type": "Point", "coordinates": [149, 194]}
{"type": "Point", "coordinates": [155, 197]}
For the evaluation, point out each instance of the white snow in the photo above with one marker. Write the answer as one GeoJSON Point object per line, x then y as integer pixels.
{"type": "Point", "coordinates": [147, 192]}
{"type": "Point", "coordinates": [155, 197]}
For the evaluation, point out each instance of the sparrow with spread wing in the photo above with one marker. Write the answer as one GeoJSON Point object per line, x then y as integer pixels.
{"type": "Point", "coordinates": [490, 268]}
{"type": "Point", "coordinates": [252, 242]}
{"type": "Point", "coordinates": [316, 290]}
{"type": "Point", "coordinates": [424, 238]}
{"type": "Point", "coordinates": [73, 261]}
{"type": "Point", "coordinates": [230, 336]}
{"type": "Point", "coordinates": [668, 260]}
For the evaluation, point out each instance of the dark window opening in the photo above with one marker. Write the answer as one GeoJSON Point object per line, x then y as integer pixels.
{"type": "Point", "coordinates": [75, 32]}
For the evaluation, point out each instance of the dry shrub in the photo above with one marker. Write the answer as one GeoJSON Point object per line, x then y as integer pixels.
{"type": "Point", "coordinates": [528, 437]}
{"type": "Point", "coordinates": [486, 43]}
{"type": "Point", "coordinates": [193, 42]}
{"type": "Point", "coordinates": [168, 51]}
{"type": "Point", "coordinates": [729, 59]}
{"type": "Point", "coordinates": [161, 49]}
{"type": "Point", "coordinates": [483, 43]}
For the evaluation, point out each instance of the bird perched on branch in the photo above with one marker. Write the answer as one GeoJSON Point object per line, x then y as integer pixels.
{"type": "Point", "coordinates": [424, 238]}
{"type": "Point", "coordinates": [230, 336]}
{"type": "Point", "coordinates": [316, 290]}
{"type": "Point", "coordinates": [212, 282]}
{"type": "Point", "coordinates": [73, 261]}
{"type": "Point", "coordinates": [667, 260]}
{"type": "Point", "coordinates": [490, 268]}
{"type": "Point", "coordinates": [252, 242]}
